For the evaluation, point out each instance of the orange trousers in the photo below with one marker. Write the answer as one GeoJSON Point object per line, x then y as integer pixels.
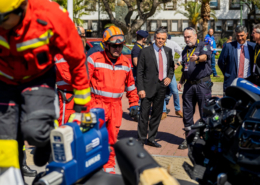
{"type": "Point", "coordinates": [113, 117]}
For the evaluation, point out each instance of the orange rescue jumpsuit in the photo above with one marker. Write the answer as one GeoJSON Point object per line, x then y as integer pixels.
{"type": "Point", "coordinates": [108, 82]}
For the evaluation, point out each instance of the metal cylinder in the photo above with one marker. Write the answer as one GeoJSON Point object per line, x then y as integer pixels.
{"type": "Point", "coordinates": [53, 178]}
{"type": "Point", "coordinates": [70, 8]}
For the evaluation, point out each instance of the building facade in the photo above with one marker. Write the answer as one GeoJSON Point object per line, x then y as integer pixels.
{"type": "Point", "coordinates": [228, 15]}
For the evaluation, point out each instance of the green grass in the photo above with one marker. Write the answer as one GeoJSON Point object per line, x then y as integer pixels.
{"type": "Point", "coordinates": [178, 74]}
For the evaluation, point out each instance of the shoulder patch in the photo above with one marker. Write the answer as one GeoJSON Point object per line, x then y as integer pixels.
{"type": "Point", "coordinates": [42, 22]}
{"type": "Point", "coordinates": [205, 48]}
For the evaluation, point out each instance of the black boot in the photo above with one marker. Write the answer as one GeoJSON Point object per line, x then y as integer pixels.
{"type": "Point", "coordinates": [27, 171]}
{"type": "Point", "coordinates": [42, 155]}
{"type": "Point", "coordinates": [184, 144]}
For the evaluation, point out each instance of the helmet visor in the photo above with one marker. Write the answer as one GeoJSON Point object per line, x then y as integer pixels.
{"type": "Point", "coordinates": [117, 39]}
{"type": "Point", "coordinates": [4, 17]}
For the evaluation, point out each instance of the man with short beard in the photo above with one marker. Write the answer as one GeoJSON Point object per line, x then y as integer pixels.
{"type": "Point", "coordinates": [256, 38]}
{"type": "Point", "coordinates": [196, 73]}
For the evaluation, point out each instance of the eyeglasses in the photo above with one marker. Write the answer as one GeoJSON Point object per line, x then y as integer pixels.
{"type": "Point", "coordinates": [116, 45]}
{"type": "Point", "coordinates": [117, 39]}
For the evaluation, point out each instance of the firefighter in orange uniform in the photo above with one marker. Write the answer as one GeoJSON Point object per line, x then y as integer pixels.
{"type": "Point", "coordinates": [32, 32]}
{"type": "Point", "coordinates": [110, 75]}
{"type": "Point", "coordinates": [63, 82]}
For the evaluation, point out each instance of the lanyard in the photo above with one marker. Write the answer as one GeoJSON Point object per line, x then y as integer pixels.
{"type": "Point", "coordinates": [139, 46]}
{"type": "Point", "coordinates": [256, 55]}
{"type": "Point", "coordinates": [102, 46]}
{"type": "Point", "coordinates": [188, 56]}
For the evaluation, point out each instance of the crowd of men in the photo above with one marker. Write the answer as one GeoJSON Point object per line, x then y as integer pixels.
{"type": "Point", "coordinates": [41, 52]}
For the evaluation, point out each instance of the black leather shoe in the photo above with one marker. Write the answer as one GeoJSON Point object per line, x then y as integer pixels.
{"type": "Point", "coordinates": [154, 144]}
{"type": "Point", "coordinates": [27, 171]}
{"type": "Point", "coordinates": [183, 145]}
{"type": "Point", "coordinates": [42, 155]}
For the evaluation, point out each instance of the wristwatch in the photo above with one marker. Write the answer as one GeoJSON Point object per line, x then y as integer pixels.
{"type": "Point", "coordinates": [198, 58]}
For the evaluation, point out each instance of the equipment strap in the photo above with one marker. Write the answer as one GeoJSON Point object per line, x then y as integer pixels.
{"type": "Point", "coordinates": [64, 97]}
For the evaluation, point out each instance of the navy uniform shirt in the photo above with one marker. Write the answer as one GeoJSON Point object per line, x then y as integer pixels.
{"type": "Point", "coordinates": [135, 53]}
{"type": "Point", "coordinates": [193, 71]}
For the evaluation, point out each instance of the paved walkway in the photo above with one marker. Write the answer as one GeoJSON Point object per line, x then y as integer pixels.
{"type": "Point", "coordinates": [170, 135]}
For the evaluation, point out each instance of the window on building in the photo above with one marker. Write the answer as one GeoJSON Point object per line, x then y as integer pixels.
{"type": "Point", "coordinates": [94, 26]}
{"type": "Point", "coordinates": [90, 5]}
{"type": "Point", "coordinates": [214, 4]}
{"type": "Point", "coordinates": [234, 4]}
{"type": "Point", "coordinates": [85, 25]}
{"type": "Point", "coordinates": [218, 26]}
{"type": "Point", "coordinates": [170, 5]}
{"type": "Point", "coordinates": [185, 24]}
{"type": "Point", "coordinates": [164, 24]}
{"type": "Point", "coordinates": [143, 27]}
{"type": "Point", "coordinates": [153, 25]}
{"type": "Point", "coordinates": [229, 26]}
{"type": "Point", "coordinates": [243, 23]}
{"type": "Point", "coordinates": [174, 26]}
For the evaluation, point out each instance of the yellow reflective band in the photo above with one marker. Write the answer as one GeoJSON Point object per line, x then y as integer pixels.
{"type": "Point", "coordinates": [9, 154]}
{"type": "Point", "coordinates": [56, 124]}
{"type": "Point", "coordinates": [82, 97]}
{"type": "Point", "coordinates": [256, 55]}
{"type": "Point", "coordinates": [23, 147]}
{"type": "Point", "coordinates": [71, 118]}
{"type": "Point", "coordinates": [26, 77]}
{"type": "Point", "coordinates": [4, 43]}
{"type": "Point", "coordinates": [102, 46]}
{"type": "Point", "coordinates": [44, 39]}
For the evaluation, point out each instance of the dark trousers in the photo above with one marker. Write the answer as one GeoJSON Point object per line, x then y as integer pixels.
{"type": "Point", "coordinates": [27, 111]}
{"type": "Point", "coordinates": [157, 101]}
{"type": "Point", "coordinates": [191, 95]}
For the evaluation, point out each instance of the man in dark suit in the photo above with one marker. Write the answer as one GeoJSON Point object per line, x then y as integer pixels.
{"type": "Point", "coordinates": [155, 70]}
{"type": "Point", "coordinates": [237, 58]}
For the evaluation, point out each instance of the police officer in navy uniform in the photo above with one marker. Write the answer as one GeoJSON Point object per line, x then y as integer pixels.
{"type": "Point", "coordinates": [196, 71]}
{"type": "Point", "coordinates": [140, 41]}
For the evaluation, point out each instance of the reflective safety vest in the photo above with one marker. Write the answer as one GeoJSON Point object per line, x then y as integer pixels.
{"type": "Point", "coordinates": [110, 80]}
{"type": "Point", "coordinates": [27, 51]}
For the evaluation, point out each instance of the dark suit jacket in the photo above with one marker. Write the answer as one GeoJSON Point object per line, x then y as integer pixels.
{"type": "Point", "coordinates": [228, 61]}
{"type": "Point", "coordinates": [147, 70]}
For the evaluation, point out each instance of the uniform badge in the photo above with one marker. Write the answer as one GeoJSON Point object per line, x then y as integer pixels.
{"type": "Point", "coordinates": [205, 48]}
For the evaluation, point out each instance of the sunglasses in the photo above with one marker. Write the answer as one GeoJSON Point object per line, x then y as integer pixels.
{"type": "Point", "coordinates": [4, 17]}
{"type": "Point", "coordinates": [116, 45]}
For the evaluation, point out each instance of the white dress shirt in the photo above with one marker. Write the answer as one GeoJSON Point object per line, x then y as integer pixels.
{"type": "Point", "coordinates": [175, 48]}
{"type": "Point", "coordinates": [247, 68]}
{"type": "Point", "coordinates": [156, 50]}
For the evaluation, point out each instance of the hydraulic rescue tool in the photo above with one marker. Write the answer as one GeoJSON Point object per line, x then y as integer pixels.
{"type": "Point", "coordinates": [77, 149]}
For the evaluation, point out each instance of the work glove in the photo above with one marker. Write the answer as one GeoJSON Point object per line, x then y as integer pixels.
{"type": "Point", "coordinates": [133, 111]}
{"type": "Point", "coordinates": [82, 100]}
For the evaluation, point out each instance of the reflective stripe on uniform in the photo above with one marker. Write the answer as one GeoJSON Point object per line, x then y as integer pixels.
{"type": "Point", "coordinates": [108, 66]}
{"type": "Point", "coordinates": [82, 97]}
{"type": "Point", "coordinates": [6, 75]}
{"type": "Point", "coordinates": [60, 61]}
{"type": "Point", "coordinates": [23, 147]}
{"type": "Point", "coordinates": [130, 88]}
{"type": "Point", "coordinates": [121, 67]}
{"type": "Point", "coordinates": [35, 43]}
{"type": "Point", "coordinates": [108, 170]}
{"type": "Point", "coordinates": [90, 60]}
{"type": "Point", "coordinates": [4, 43]}
{"type": "Point", "coordinates": [106, 94]}
{"type": "Point", "coordinates": [61, 83]}
{"type": "Point", "coordinates": [102, 65]}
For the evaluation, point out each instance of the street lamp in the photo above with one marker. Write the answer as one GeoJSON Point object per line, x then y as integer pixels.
{"type": "Point", "coordinates": [241, 10]}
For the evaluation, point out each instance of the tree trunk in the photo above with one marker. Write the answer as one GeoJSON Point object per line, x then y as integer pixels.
{"type": "Point", "coordinates": [204, 28]}
{"type": "Point", "coordinates": [128, 37]}
{"type": "Point", "coordinates": [205, 15]}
